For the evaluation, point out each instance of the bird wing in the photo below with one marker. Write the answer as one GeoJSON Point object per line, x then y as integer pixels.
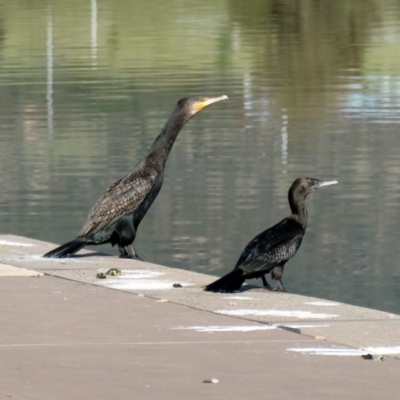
{"type": "Point", "coordinates": [272, 247]}
{"type": "Point", "coordinates": [121, 198]}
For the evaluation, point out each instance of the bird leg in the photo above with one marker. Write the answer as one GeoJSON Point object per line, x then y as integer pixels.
{"type": "Point", "coordinates": [128, 252]}
{"type": "Point", "coordinates": [122, 252]}
{"type": "Point", "coordinates": [280, 287]}
{"type": "Point", "coordinates": [265, 283]}
{"type": "Point", "coordinates": [276, 274]}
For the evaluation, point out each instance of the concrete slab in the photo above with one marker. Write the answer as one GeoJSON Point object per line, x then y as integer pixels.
{"type": "Point", "coordinates": [165, 372]}
{"type": "Point", "coordinates": [62, 339]}
{"type": "Point", "coordinates": [24, 252]}
{"type": "Point", "coordinates": [8, 270]}
{"type": "Point", "coordinates": [342, 323]}
{"type": "Point", "coordinates": [69, 335]}
{"type": "Point", "coordinates": [306, 315]}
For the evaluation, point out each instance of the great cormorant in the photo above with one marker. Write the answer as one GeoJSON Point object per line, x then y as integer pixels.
{"type": "Point", "coordinates": [118, 212]}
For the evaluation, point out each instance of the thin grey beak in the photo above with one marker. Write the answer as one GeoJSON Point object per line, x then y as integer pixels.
{"type": "Point", "coordinates": [320, 184]}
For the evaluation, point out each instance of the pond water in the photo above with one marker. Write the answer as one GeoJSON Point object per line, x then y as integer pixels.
{"type": "Point", "coordinates": [314, 90]}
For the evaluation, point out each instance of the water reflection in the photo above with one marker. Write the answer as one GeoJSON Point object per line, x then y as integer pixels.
{"type": "Point", "coordinates": [94, 33]}
{"type": "Point", "coordinates": [284, 135]}
{"type": "Point", "coordinates": [49, 95]}
{"type": "Point", "coordinates": [313, 88]}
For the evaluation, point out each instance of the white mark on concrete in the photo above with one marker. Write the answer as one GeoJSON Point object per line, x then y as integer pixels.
{"type": "Point", "coordinates": [343, 351]}
{"type": "Point", "coordinates": [67, 260]}
{"type": "Point", "coordinates": [137, 284]}
{"type": "Point", "coordinates": [383, 350]}
{"type": "Point", "coordinates": [8, 243]}
{"type": "Point", "coordinates": [219, 328]}
{"type": "Point", "coordinates": [328, 351]}
{"type": "Point", "coordinates": [238, 298]}
{"type": "Point", "coordinates": [305, 325]}
{"type": "Point", "coordinates": [277, 313]}
{"type": "Point", "coordinates": [139, 274]}
{"type": "Point", "coordinates": [139, 279]}
{"type": "Point", "coordinates": [322, 303]}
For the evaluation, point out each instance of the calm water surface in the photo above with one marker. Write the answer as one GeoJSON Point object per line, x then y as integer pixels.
{"type": "Point", "coordinates": [314, 90]}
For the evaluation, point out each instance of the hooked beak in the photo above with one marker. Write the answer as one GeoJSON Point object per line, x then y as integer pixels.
{"type": "Point", "coordinates": [211, 100]}
{"type": "Point", "coordinates": [320, 184]}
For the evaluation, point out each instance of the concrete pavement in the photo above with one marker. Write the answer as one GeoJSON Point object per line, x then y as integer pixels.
{"type": "Point", "coordinates": [68, 335]}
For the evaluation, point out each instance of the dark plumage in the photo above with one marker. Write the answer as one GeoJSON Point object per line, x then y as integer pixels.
{"type": "Point", "coordinates": [118, 212]}
{"type": "Point", "coordinates": [270, 250]}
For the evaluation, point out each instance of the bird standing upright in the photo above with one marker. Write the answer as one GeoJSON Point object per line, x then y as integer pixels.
{"type": "Point", "coordinates": [118, 212]}
{"type": "Point", "coordinates": [270, 250]}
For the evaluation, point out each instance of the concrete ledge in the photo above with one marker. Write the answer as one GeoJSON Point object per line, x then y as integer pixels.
{"type": "Point", "coordinates": [8, 270]}
{"type": "Point", "coordinates": [342, 323]}
{"type": "Point", "coordinates": [67, 334]}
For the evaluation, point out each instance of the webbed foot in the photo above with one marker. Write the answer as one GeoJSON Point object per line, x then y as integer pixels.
{"type": "Point", "coordinates": [129, 252]}
{"type": "Point", "coordinates": [280, 287]}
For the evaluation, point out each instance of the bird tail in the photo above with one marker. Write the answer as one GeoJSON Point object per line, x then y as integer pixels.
{"type": "Point", "coordinates": [228, 283]}
{"type": "Point", "coordinates": [66, 250]}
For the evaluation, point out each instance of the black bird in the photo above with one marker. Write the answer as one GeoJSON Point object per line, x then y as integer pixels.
{"type": "Point", "coordinates": [270, 250]}
{"type": "Point", "coordinates": [118, 212]}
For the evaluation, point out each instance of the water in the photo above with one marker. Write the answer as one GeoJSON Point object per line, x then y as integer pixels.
{"type": "Point", "coordinates": [314, 90]}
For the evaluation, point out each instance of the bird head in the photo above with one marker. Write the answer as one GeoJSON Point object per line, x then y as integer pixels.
{"type": "Point", "coordinates": [192, 105]}
{"type": "Point", "coordinates": [305, 186]}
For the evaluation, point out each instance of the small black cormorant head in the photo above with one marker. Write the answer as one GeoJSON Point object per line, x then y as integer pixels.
{"type": "Point", "coordinates": [192, 105]}
{"type": "Point", "coordinates": [299, 190]}
{"type": "Point", "coordinates": [305, 186]}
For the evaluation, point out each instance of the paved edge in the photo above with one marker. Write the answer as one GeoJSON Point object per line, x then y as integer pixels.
{"type": "Point", "coordinates": [9, 270]}
{"type": "Point", "coordinates": [344, 324]}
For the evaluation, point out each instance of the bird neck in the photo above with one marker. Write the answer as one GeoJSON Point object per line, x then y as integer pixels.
{"type": "Point", "coordinates": [298, 208]}
{"type": "Point", "coordinates": [162, 146]}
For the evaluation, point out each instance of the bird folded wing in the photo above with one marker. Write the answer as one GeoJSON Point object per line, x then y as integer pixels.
{"type": "Point", "coordinates": [121, 198]}
{"type": "Point", "coordinates": [271, 247]}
